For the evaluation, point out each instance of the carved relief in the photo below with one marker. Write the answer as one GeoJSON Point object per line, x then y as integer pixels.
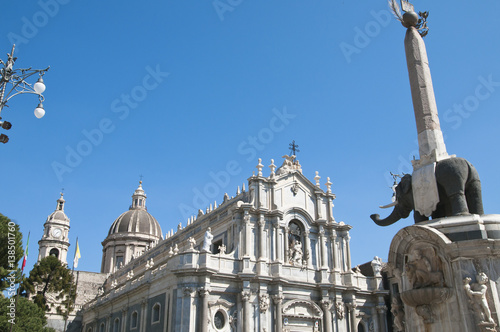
{"type": "Point", "coordinates": [339, 308]}
{"type": "Point", "coordinates": [424, 269]}
{"type": "Point", "coordinates": [398, 313]}
{"type": "Point", "coordinates": [263, 302]}
{"type": "Point", "coordinates": [478, 301]}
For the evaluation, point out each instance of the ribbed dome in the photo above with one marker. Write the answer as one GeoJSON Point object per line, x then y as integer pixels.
{"type": "Point", "coordinates": [136, 221]}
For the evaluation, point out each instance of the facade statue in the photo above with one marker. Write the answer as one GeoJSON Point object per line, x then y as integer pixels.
{"type": "Point", "coordinates": [207, 242]}
{"type": "Point", "coordinates": [296, 253]}
{"type": "Point", "coordinates": [477, 296]}
{"type": "Point", "coordinates": [191, 242]}
{"type": "Point", "coordinates": [376, 266]}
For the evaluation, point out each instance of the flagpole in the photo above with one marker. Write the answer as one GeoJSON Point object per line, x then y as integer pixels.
{"type": "Point", "coordinates": [22, 270]}
{"type": "Point", "coordinates": [77, 255]}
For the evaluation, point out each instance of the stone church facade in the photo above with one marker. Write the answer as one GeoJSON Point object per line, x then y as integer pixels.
{"type": "Point", "coordinates": [272, 258]}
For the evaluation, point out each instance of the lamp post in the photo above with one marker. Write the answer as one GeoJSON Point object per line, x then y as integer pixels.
{"type": "Point", "coordinates": [13, 83]}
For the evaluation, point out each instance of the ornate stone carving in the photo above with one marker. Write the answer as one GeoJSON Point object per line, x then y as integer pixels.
{"type": "Point", "coordinates": [278, 298]}
{"type": "Point", "coordinates": [263, 302]}
{"type": "Point", "coordinates": [398, 313]}
{"type": "Point", "coordinates": [339, 309]}
{"type": "Point", "coordinates": [424, 269]}
{"type": "Point", "coordinates": [245, 296]}
{"type": "Point", "coordinates": [478, 301]}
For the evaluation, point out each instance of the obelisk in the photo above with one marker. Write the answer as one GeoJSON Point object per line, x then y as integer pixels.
{"type": "Point", "coordinates": [430, 138]}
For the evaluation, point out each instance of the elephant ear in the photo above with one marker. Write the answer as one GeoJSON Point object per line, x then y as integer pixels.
{"type": "Point", "coordinates": [405, 183]}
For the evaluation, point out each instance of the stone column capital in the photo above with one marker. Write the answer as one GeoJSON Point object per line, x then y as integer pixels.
{"type": "Point", "coordinates": [278, 298]}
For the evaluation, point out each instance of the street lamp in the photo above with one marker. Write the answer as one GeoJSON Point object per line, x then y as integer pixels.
{"type": "Point", "coordinates": [13, 83]}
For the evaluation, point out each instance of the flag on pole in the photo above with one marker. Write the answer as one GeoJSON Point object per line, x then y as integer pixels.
{"type": "Point", "coordinates": [26, 253]}
{"type": "Point", "coordinates": [77, 254]}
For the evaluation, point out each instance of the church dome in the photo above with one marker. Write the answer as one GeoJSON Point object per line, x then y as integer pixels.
{"type": "Point", "coordinates": [137, 219]}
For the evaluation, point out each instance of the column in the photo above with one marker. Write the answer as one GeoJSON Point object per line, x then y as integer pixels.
{"type": "Point", "coordinates": [262, 238]}
{"type": "Point", "coordinates": [278, 300]}
{"type": "Point", "coordinates": [382, 310]}
{"type": "Point", "coordinates": [326, 304]}
{"type": "Point", "coordinates": [143, 315]}
{"type": "Point", "coordinates": [285, 240]}
{"type": "Point", "coordinates": [308, 249]}
{"type": "Point", "coordinates": [204, 309]}
{"type": "Point", "coordinates": [347, 238]}
{"type": "Point", "coordinates": [324, 261]}
{"type": "Point", "coordinates": [352, 314]}
{"type": "Point", "coordinates": [275, 244]}
{"type": "Point", "coordinates": [246, 220]}
{"type": "Point", "coordinates": [333, 240]}
{"type": "Point", "coordinates": [318, 207]}
{"type": "Point", "coordinates": [124, 319]}
{"type": "Point", "coordinates": [245, 297]}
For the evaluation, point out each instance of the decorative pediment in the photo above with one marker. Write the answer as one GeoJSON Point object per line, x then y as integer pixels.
{"type": "Point", "coordinates": [303, 309]}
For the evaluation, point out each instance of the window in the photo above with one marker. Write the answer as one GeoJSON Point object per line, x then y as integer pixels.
{"type": "Point", "coordinates": [89, 329]}
{"type": "Point", "coordinates": [219, 320]}
{"type": "Point", "coordinates": [119, 261]}
{"type": "Point", "coordinates": [155, 317]}
{"type": "Point", "coordinates": [133, 320]}
{"type": "Point", "coordinates": [116, 325]}
{"type": "Point", "coordinates": [216, 246]}
{"type": "Point", "coordinates": [54, 252]}
{"type": "Point", "coordinates": [361, 327]}
{"type": "Point", "coordinates": [102, 328]}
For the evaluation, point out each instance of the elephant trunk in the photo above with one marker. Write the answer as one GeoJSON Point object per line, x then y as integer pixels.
{"type": "Point", "coordinates": [391, 219]}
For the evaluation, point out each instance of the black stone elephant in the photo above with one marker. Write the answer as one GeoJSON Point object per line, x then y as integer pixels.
{"type": "Point", "coordinates": [459, 191]}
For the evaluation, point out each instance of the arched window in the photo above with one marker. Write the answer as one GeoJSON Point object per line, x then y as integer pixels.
{"type": "Point", "coordinates": [102, 328]}
{"type": "Point", "coordinates": [361, 327]}
{"type": "Point", "coordinates": [134, 319]}
{"type": "Point", "coordinates": [89, 329]}
{"type": "Point", "coordinates": [295, 243]}
{"type": "Point", "coordinates": [116, 325]}
{"type": "Point", "coordinates": [54, 252]}
{"type": "Point", "coordinates": [155, 315]}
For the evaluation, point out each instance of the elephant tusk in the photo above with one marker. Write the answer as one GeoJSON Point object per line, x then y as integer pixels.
{"type": "Point", "coordinates": [388, 205]}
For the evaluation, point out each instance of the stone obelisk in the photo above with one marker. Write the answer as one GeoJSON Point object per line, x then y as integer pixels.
{"type": "Point", "coordinates": [430, 138]}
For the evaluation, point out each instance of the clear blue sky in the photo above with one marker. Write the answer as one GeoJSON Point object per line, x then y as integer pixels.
{"type": "Point", "coordinates": [178, 89]}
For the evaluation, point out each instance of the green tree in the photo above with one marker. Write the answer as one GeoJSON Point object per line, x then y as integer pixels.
{"type": "Point", "coordinates": [27, 316]}
{"type": "Point", "coordinates": [11, 251]}
{"type": "Point", "coordinates": [51, 277]}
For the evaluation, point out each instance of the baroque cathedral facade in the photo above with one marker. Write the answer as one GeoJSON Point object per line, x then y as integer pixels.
{"type": "Point", "coordinates": [271, 258]}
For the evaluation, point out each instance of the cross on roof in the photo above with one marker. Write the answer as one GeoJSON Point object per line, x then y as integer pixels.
{"type": "Point", "coordinates": [293, 148]}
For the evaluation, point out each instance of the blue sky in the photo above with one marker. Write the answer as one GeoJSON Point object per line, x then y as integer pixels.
{"type": "Point", "coordinates": [177, 90]}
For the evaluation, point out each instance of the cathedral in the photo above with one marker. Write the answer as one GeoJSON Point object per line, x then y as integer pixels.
{"type": "Point", "coordinates": [271, 258]}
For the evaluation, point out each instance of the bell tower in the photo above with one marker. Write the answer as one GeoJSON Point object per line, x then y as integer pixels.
{"type": "Point", "coordinates": [55, 238]}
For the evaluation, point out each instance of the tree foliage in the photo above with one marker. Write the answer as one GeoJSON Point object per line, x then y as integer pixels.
{"type": "Point", "coordinates": [50, 283]}
{"type": "Point", "coordinates": [11, 251]}
{"type": "Point", "coordinates": [27, 316]}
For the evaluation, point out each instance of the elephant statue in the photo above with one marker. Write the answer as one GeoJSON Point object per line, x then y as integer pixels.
{"type": "Point", "coordinates": [459, 190]}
